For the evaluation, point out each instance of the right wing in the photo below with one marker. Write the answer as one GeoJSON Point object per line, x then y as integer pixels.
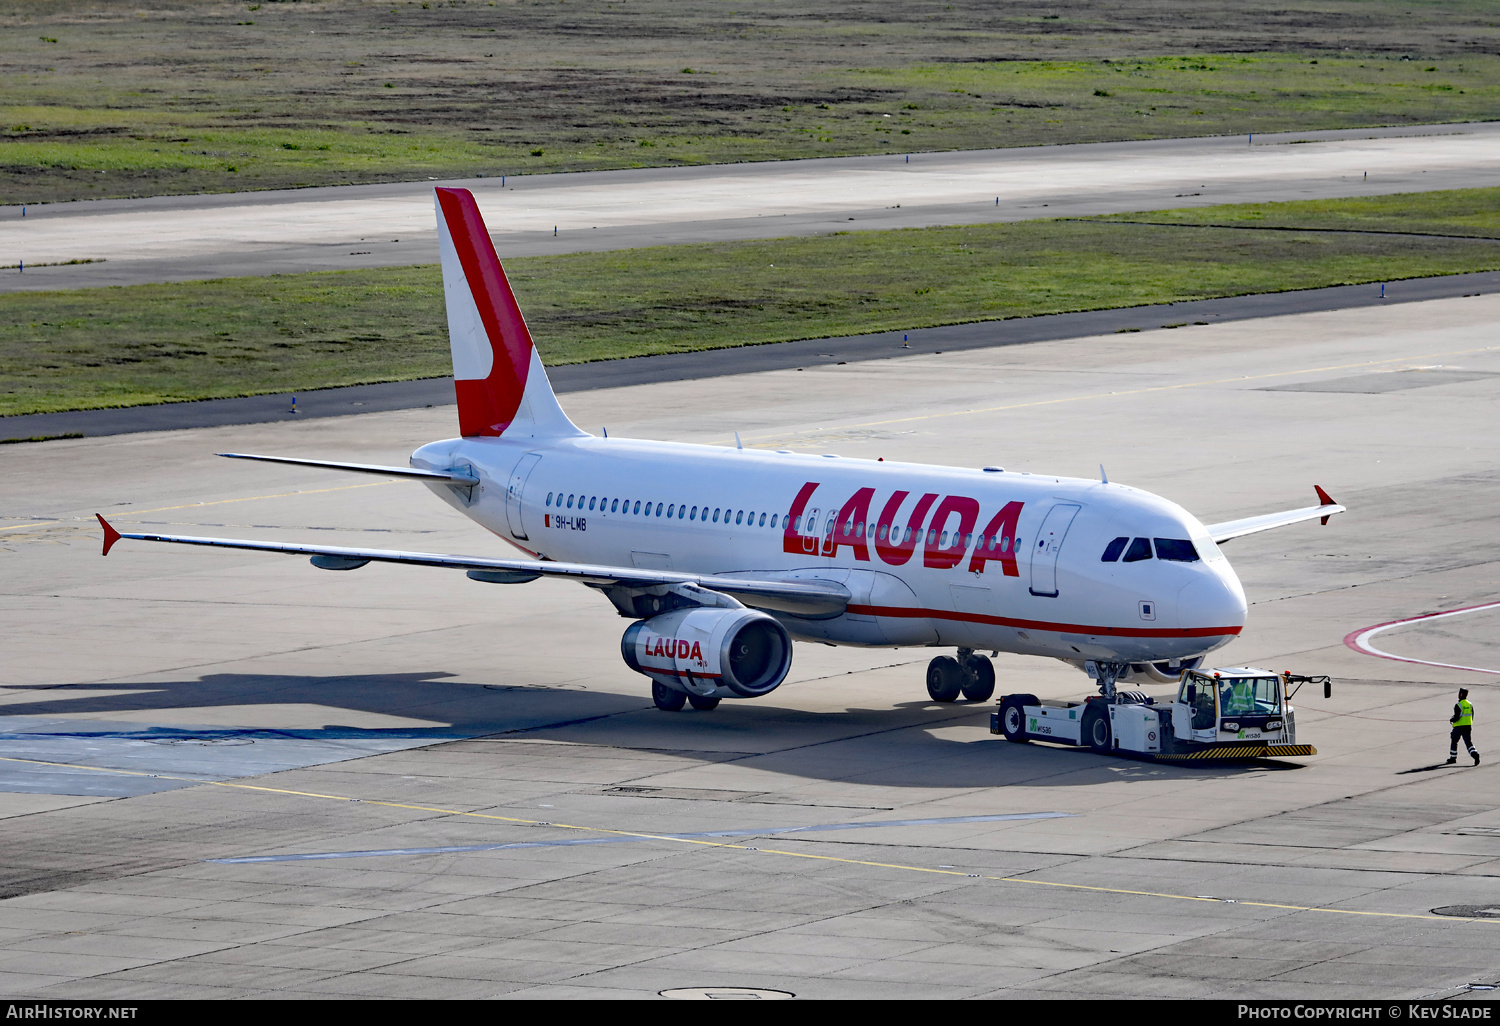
{"type": "Point", "coordinates": [457, 477]}
{"type": "Point", "coordinates": [800, 598]}
{"type": "Point", "coordinates": [1267, 521]}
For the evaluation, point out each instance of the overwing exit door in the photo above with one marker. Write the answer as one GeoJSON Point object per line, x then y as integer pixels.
{"type": "Point", "coordinates": [1047, 546]}
{"type": "Point", "coordinates": [514, 490]}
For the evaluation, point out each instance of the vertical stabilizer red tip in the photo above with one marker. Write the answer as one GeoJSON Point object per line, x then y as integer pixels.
{"type": "Point", "coordinates": [489, 338]}
{"type": "Point", "coordinates": [110, 534]}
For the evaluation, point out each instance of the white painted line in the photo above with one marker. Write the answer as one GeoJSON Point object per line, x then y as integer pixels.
{"type": "Point", "coordinates": [1360, 639]}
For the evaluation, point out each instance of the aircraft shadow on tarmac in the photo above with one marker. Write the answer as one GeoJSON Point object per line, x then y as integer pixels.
{"type": "Point", "coordinates": [844, 745]}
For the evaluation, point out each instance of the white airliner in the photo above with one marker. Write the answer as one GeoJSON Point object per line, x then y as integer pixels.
{"type": "Point", "coordinates": [721, 556]}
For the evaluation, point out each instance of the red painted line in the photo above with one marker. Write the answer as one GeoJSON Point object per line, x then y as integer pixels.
{"type": "Point", "coordinates": [1359, 640]}
{"type": "Point", "coordinates": [914, 613]}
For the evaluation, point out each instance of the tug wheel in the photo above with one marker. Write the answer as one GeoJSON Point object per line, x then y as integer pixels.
{"type": "Point", "coordinates": [1096, 732]}
{"type": "Point", "coordinates": [1013, 718]}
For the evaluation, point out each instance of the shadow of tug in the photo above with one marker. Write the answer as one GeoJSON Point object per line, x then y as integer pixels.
{"type": "Point", "coordinates": [843, 746]}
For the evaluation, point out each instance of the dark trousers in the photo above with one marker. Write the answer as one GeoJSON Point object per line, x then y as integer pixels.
{"type": "Point", "coordinates": [1460, 732]}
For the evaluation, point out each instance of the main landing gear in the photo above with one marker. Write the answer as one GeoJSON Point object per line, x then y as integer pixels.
{"type": "Point", "coordinates": [970, 675]}
{"type": "Point", "coordinates": [671, 700]}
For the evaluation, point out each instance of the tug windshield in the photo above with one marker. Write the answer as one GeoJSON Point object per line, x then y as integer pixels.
{"type": "Point", "coordinates": [1248, 696]}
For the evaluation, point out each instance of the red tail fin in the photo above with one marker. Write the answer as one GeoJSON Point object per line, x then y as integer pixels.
{"type": "Point", "coordinates": [491, 345]}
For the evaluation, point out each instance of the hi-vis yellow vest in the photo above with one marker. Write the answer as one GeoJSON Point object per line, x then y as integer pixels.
{"type": "Point", "coordinates": [1465, 714]}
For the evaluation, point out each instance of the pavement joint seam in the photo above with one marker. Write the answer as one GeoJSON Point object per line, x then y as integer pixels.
{"type": "Point", "coordinates": [960, 874]}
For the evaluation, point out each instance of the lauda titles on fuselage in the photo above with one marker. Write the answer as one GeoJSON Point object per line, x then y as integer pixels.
{"type": "Point", "coordinates": [721, 556]}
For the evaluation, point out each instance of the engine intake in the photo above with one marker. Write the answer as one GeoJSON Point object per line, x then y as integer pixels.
{"type": "Point", "coordinates": [738, 653]}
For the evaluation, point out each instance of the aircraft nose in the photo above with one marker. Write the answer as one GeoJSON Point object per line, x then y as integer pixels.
{"type": "Point", "coordinates": [1213, 599]}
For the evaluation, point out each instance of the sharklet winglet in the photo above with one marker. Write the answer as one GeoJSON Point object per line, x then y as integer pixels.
{"type": "Point", "coordinates": [1324, 498]}
{"type": "Point", "coordinates": [110, 534]}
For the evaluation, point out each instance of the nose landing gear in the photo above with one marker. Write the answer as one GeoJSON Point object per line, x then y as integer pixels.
{"type": "Point", "coordinates": [970, 675]}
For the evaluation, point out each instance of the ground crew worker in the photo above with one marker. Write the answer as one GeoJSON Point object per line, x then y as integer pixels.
{"type": "Point", "coordinates": [1463, 721]}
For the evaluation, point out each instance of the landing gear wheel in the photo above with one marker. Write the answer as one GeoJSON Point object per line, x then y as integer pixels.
{"type": "Point", "coordinates": [945, 679]}
{"type": "Point", "coordinates": [702, 703]}
{"type": "Point", "coordinates": [667, 699]}
{"type": "Point", "coordinates": [1013, 717]}
{"type": "Point", "coordinates": [1096, 732]}
{"type": "Point", "coordinates": [979, 678]}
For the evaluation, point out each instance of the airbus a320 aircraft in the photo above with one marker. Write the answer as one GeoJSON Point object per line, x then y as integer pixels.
{"type": "Point", "coordinates": [721, 556]}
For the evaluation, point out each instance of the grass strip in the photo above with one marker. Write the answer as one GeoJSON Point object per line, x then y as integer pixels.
{"type": "Point", "coordinates": [95, 348]}
{"type": "Point", "coordinates": [158, 97]}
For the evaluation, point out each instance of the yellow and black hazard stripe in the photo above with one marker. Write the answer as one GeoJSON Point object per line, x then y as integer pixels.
{"type": "Point", "coordinates": [1241, 752]}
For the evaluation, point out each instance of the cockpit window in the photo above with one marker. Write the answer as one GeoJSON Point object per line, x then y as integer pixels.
{"type": "Point", "coordinates": [1139, 549]}
{"type": "Point", "coordinates": [1179, 550]}
{"type": "Point", "coordinates": [1113, 549]}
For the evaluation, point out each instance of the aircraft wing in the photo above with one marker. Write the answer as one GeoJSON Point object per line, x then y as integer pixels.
{"type": "Point", "coordinates": [1266, 521]}
{"type": "Point", "coordinates": [804, 598]}
{"type": "Point", "coordinates": [455, 476]}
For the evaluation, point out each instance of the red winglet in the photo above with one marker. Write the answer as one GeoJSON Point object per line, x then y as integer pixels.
{"type": "Point", "coordinates": [110, 534]}
{"type": "Point", "coordinates": [1324, 498]}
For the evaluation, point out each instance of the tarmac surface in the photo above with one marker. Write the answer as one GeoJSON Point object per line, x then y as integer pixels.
{"type": "Point", "coordinates": [179, 238]}
{"type": "Point", "coordinates": [227, 774]}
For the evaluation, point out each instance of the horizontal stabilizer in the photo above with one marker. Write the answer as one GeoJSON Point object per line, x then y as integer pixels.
{"type": "Point", "coordinates": [1267, 521]}
{"type": "Point", "coordinates": [457, 477]}
{"type": "Point", "coordinates": [801, 598]}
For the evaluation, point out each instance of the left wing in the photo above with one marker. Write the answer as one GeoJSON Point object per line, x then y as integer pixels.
{"type": "Point", "coordinates": [1266, 521]}
{"type": "Point", "coordinates": [801, 598]}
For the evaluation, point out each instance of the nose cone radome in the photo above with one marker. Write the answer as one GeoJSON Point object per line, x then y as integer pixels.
{"type": "Point", "coordinates": [1213, 600]}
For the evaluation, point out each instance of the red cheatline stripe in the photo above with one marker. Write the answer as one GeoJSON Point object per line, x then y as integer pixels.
{"type": "Point", "coordinates": [914, 613]}
{"type": "Point", "coordinates": [679, 673]}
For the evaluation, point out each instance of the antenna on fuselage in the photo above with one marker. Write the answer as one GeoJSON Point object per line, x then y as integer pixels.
{"type": "Point", "coordinates": [737, 443]}
{"type": "Point", "coordinates": [1103, 477]}
{"type": "Point", "coordinates": [606, 432]}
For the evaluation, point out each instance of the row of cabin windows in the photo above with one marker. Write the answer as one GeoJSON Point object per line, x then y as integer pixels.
{"type": "Point", "coordinates": [1178, 550]}
{"type": "Point", "coordinates": [673, 510]}
{"type": "Point", "coordinates": [896, 534]}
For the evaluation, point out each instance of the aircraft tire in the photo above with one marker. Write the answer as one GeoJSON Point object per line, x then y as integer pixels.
{"type": "Point", "coordinates": [945, 679]}
{"type": "Point", "coordinates": [667, 699]}
{"type": "Point", "coordinates": [1013, 718]}
{"type": "Point", "coordinates": [703, 704]}
{"type": "Point", "coordinates": [979, 678]}
{"type": "Point", "coordinates": [1096, 732]}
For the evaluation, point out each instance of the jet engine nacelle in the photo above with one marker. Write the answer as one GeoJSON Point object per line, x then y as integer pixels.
{"type": "Point", "coordinates": [728, 653]}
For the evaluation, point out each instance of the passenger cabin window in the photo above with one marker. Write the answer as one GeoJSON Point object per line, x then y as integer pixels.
{"type": "Point", "coordinates": [1113, 549]}
{"type": "Point", "coordinates": [1179, 550]}
{"type": "Point", "coordinates": [1139, 549]}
